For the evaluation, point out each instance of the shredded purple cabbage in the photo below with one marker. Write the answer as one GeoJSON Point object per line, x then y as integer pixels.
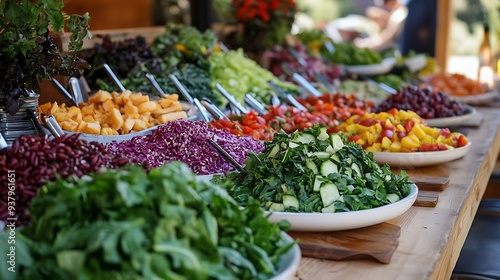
{"type": "Point", "coordinates": [187, 141]}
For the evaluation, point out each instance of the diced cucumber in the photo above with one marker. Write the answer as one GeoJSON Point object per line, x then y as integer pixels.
{"type": "Point", "coordinates": [337, 142]}
{"type": "Point", "coordinates": [322, 155]}
{"type": "Point", "coordinates": [292, 144]}
{"type": "Point", "coordinates": [335, 158]}
{"type": "Point", "coordinates": [305, 138]}
{"type": "Point", "coordinates": [329, 193]}
{"type": "Point", "coordinates": [392, 197]}
{"type": "Point", "coordinates": [323, 135]}
{"type": "Point", "coordinates": [341, 198]}
{"type": "Point", "coordinates": [328, 209]}
{"type": "Point", "coordinates": [284, 188]}
{"type": "Point", "coordinates": [277, 207]}
{"type": "Point", "coordinates": [350, 188]}
{"type": "Point", "coordinates": [330, 149]}
{"type": "Point", "coordinates": [311, 165]}
{"type": "Point", "coordinates": [317, 183]}
{"type": "Point", "coordinates": [290, 201]}
{"type": "Point", "coordinates": [274, 151]}
{"type": "Point", "coordinates": [347, 172]}
{"type": "Point", "coordinates": [356, 169]}
{"type": "Point", "coordinates": [328, 167]}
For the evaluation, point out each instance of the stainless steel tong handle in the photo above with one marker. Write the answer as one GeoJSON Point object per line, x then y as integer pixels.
{"type": "Point", "coordinates": [212, 109]}
{"type": "Point", "coordinates": [201, 110]}
{"type": "Point", "coordinates": [76, 91]}
{"type": "Point", "coordinates": [155, 84]}
{"type": "Point", "coordinates": [113, 76]}
{"type": "Point", "coordinates": [306, 85]}
{"type": "Point", "coordinates": [230, 98]}
{"type": "Point", "coordinates": [255, 104]}
{"type": "Point", "coordinates": [63, 91]}
{"type": "Point", "coordinates": [53, 126]}
{"type": "Point", "coordinates": [288, 97]}
{"type": "Point", "coordinates": [227, 156]}
{"type": "Point", "coordinates": [181, 88]}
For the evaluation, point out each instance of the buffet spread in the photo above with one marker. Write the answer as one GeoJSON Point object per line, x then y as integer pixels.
{"type": "Point", "coordinates": [321, 145]}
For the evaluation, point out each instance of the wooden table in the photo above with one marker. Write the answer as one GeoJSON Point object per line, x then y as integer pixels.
{"type": "Point", "coordinates": [431, 237]}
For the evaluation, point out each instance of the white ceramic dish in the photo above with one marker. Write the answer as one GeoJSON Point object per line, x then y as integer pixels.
{"type": "Point", "coordinates": [373, 69]}
{"type": "Point", "coordinates": [476, 99]}
{"type": "Point", "coordinates": [289, 262]}
{"type": "Point", "coordinates": [452, 121]}
{"type": "Point", "coordinates": [346, 220]}
{"type": "Point", "coordinates": [420, 158]}
{"type": "Point", "coordinates": [415, 63]}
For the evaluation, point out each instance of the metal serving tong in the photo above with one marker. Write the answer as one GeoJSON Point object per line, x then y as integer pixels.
{"type": "Point", "coordinates": [113, 77]}
{"type": "Point", "coordinates": [64, 92]}
{"type": "Point", "coordinates": [255, 104]}
{"type": "Point", "coordinates": [320, 78]}
{"type": "Point", "coordinates": [53, 126]}
{"type": "Point", "coordinates": [201, 110]}
{"type": "Point", "coordinates": [155, 85]}
{"type": "Point", "coordinates": [232, 101]}
{"type": "Point", "coordinates": [181, 88]}
{"type": "Point", "coordinates": [287, 97]}
{"type": "Point", "coordinates": [212, 109]}
{"type": "Point", "coordinates": [75, 90]}
{"type": "Point", "coordinates": [227, 156]}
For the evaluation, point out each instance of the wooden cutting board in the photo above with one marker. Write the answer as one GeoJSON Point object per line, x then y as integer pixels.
{"type": "Point", "coordinates": [426, 199]}
{"type": "Point", "coordinates": [432, 178]}
{"type": "Point", "coordinates": [376, 242]}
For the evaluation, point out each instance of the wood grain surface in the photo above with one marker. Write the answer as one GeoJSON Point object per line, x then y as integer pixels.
{"type": "Point", "coordinates": [376, 242]}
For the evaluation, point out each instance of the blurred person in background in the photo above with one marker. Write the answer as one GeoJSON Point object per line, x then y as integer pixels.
{"type": "Point", "coordinates": [419, 30]}
{"type": "Point", "coordinates": [378, 30]}
{"type": "Point", "coordinates": [391, 26]}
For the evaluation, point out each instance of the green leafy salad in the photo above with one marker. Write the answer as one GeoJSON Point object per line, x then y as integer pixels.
{"type": "Point", "coordinates": [129, 224]}
{"type": "Point", "coordinates": [312, 171]}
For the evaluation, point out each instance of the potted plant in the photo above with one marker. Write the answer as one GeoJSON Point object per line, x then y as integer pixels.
{"type": "Point", "coordinates": [28, 53]}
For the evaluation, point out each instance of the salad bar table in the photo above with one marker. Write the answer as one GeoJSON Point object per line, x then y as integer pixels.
{"type": "Point", "coordinates": [431, 237]}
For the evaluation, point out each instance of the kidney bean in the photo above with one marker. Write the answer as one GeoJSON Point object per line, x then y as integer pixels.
{"type": "Point", "coordinates": [36, 160]}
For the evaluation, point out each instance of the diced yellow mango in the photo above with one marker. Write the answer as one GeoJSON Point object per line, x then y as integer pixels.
{"type": "Point", "coordinates": [92, 128]}
{"type": "Point", "coordinates": [386, 143]}
{"type": "Point", "coordinates": [176, 107]}
{"type": "Point", "coordinates": [148, 106]}
{"type": "Point", "coordinates": [173, 96]}
{"type": "Point", "coordinates": [165, 118]}
{"type": "Point", "coordinates": [418, 131]}
{"type": "Point", "coordinates": [395, 147]}
{"type": "Point", "coordinates": [108, 105]}
{"type": "Point", "coordinates": [127, 125]}
{"type": "Point", "coordinates": [164, 102]}
{"type": "Point", "coordinates": [82, 125]}
{"type": "Point", "coordinates": [139, 125]}
{"type": "Point", "coordinates": [61, 117]}
{"type": "Point", "coordinates": [115, 119]}
{"type": "Point", "coordinates": [130, 109]}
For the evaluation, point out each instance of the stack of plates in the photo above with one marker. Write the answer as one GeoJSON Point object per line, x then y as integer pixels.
{"type": "Point", "coordinates": [13, 126]}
